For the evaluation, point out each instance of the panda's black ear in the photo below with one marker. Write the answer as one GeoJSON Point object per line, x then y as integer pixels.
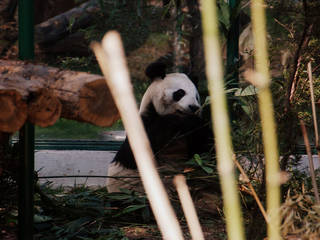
{"type": "Point", "coordinates": [156, 69]}
{"type": "Point", "coordinates": [194, 79]}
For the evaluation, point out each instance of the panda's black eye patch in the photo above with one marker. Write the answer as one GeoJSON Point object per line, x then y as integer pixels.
{"type": "Point", "coordinates": [177, 95]}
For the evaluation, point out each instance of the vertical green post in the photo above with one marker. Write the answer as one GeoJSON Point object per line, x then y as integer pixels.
{"type": "Point", "coordinates": [26, 170]}
{"type": "Point", "coordinates": [26, 29]}
{"type": "Point", "coordinates": [233, 43]}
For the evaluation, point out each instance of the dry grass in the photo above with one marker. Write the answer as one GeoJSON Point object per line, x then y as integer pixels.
{"type": "Point", "coordinates": [157, 45]}
{"type": "Point", "coordinates": [300, 218]}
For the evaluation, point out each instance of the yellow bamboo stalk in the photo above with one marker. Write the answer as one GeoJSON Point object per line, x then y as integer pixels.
{"type": "Point", "coordinates": [188, 207]}
{"type": "Point", "coordinates": [220, 120]}
{"type": "Point", "coordinates": [113, 64]}
{"type": "Point", "coordinates": [267, 120]}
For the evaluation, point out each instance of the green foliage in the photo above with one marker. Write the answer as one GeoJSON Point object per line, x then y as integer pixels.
{"type": "Point", "coordinates": [205, 165]}
{"type": "Point", "coordinates": [83, 213]}
{"type": "Point", "coordinates": [69, 129]}
{"type": "Point", "coordinates": [302, 103]}
{"type": "Point", "coordinates": [139, 88]}
{"type": "Point", "coordinates": [202, 172]}
{"type": "Point", "coordinates": [224, 17]}
{"type": "Point", "coordinates": [85, 64]}
{"type": "Point", "coordinates": [246, 132]}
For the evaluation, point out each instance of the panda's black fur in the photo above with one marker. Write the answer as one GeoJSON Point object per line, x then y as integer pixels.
{"type": "Point", "coordinates": [162, 129]}
{"type": "Point", "coordinates": [156, 69]}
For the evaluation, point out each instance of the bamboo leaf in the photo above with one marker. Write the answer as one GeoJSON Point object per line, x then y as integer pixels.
{"type": "Point", "coordinates": [130, 209]}
{"type": "Point", "coordinates": [208, 170]}
{"type": "Point", "coordinates": [41, 218]}
{"type": "Point", "coordinates": [248, 91]}
{"type": "Point", "coordinates": [198, 159]}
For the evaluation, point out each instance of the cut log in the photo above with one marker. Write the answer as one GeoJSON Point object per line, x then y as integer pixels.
{"type": "Point", "coordinates": [43, 94]}
{"type": "Point", "coordinates": [91, 101]}
{"type": "Point", "coordinates": [85, 97]}
{"type": "Point", "coordinates": [13, 110]}
{"type": "Point", "coordinates": [44, 108]}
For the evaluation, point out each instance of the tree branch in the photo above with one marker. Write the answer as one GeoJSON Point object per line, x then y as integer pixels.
{"type": "Point", "coordinates": [304, 41]}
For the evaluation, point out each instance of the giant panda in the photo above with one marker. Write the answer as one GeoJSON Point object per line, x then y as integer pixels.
{"type": "Point", "coordinates": [171, 113]}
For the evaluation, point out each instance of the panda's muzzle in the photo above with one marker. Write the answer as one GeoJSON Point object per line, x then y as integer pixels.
{"type": "Point", "coordinates": [194, 108]}
{"type": "Point", "coordinates": [191, 110]}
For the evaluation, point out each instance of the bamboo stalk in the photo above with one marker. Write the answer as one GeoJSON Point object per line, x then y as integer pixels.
{"type": "Point", "coordinates": [188, 207]}
{"type": "Point", "coordinates": [314, 112]}
{"type": "Point", "coordinates": [253, 192]}
{"type": "Point", "coordinates": [311, 167]}
{"type": "Point", "coordinates": [267, 120]}
{"type": "Point", "coordinates": [112, 61]}
{"type": "Point", "coordinates": [220, 120]}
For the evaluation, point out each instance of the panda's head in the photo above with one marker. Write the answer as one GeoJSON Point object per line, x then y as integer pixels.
{"type": "Point", "coordinates": [172, 93]}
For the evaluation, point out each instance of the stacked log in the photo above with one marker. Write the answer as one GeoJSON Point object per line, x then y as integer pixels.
{"type": "Point", "coordinates": [43, 94]}
{"type": "Point", "coordinates": [58, 35]}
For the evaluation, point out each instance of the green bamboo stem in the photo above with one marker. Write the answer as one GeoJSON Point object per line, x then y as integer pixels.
{"type": "Point", "coordinates": [313, 105]}
{"type": "Point", "coordinates": [314, 112]}
{"type": "Point", "coordinates": [267, 120]}
{"type": "Point", "coordinates": [220, 120]}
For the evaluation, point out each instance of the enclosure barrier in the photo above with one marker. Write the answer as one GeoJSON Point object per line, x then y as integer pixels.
{"type": "Point", "coordinates": [26, 174]}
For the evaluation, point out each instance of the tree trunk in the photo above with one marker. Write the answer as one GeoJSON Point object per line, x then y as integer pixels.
{"type": "Point", "coordinates": [43, 94]}
{"type": "Point", "coordinates": [61, 25]}
{"type": "Point", "coordinates": [197, 72]}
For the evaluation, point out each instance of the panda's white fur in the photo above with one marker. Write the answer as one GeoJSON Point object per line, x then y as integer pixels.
{"type": "Point", "coordinates": [160, 93]}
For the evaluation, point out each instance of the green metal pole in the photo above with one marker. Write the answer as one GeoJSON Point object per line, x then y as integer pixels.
{"type": "Point", "coordinates": [233, 43]}
{"type": "Point", "coordinates": [232, 68]}
{"type": "Point", "coordinates": [26, 174]}
{"type": "Point", "coordinates": [26, 29]}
